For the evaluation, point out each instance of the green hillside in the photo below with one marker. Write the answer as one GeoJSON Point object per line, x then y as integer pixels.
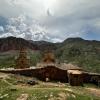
{"type": "Point", "coordinates": [7, 59]}
{"type": "Point", "coordinates": [84, 53]}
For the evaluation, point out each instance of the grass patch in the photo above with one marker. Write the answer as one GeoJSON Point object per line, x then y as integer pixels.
{"type": "Point", "coordinates": [42, 91]}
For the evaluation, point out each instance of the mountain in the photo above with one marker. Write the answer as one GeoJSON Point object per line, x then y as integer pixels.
{"type": "Point", "coordinates": [44, 45]}
{"type": "Point", "coordinates": [13, 43]}
{"type": "Point", "coordinates": [84, 53]}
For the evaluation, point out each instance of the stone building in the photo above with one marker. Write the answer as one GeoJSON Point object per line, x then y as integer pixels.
{"type": "Point", "coordinates": [23, 60]}
{"type": "Point", "coordinates": [75, 77]}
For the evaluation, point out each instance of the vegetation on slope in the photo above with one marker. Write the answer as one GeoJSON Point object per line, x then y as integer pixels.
{"type": "Point", "coordinates": [7, 59]}
{"type": "Point", "coordinates": [84, 53]}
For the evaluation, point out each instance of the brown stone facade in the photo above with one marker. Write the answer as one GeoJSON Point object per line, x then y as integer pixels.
{"type": "Point", "coordinates": [75, 77]}
{"type": "Point", "coordinates": [48, 57]}
{"type": "Point", "coordinates": [22, 61]}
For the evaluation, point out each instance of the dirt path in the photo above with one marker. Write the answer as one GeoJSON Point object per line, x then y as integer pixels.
{"type": "Point", "coordinates": [3, 75]}
{"type": "Point", "coordinates": [23, 97]}
{"type": "Point", "coordinates": [94, 91]}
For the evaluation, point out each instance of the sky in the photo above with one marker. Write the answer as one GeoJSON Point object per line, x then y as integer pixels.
{"type": "Point", "coordinates": [50, 20]}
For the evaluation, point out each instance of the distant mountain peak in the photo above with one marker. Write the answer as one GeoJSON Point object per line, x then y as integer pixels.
{"type": "Point", "coordinates": [74, 39]}
{"type": "Point", "coordinates": [14, 43]}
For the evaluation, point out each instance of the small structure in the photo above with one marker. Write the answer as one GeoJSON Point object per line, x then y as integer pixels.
{"type": "Point", "coordinates": [49, 58]}
{"type": "Point", "coordinates": [22, 61]}
{"type": "Point", "coordinates": [50, 72]}
{"type": "Point", "coordinates": [75, 77]}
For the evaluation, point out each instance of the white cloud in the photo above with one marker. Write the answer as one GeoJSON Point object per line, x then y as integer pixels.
{"type": "Point", "coordinates": [57, 19]}
{"type": "Point", "coordinates": [5, 35]}
{"type": "Point", "coordinates": [54, 40]}
{"type": "Point", "coordinates": [19, 27]}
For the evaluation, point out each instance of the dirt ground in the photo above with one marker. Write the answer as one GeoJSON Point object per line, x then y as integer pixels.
{"type": "Point", "coordinates": [3, 75]}
{"type": "Point", "coordinates": [94, 91]}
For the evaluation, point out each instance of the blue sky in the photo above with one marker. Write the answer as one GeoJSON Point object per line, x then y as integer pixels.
{"type": "Point", "coordinates": [50, 20]}
{"type": "Point", "coordinates": [92, 36]}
